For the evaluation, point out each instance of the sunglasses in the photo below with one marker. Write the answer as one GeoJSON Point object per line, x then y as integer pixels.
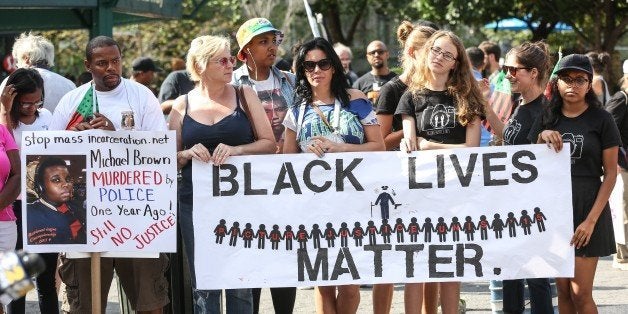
{"type": "Point", "coordinates": [513, 70]}
{"type": "Point", "coordinates": [225, 61]}
{"type": "Point", "coordinates": [323, 64]}
{"type": "Point", "coordinates": [378, 51]}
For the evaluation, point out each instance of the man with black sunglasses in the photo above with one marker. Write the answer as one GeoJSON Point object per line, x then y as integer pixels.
{"type": "Point", "coordinates": [370, 83]}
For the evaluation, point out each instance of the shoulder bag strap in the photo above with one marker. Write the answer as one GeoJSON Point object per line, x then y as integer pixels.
{"type": "Point", "coordinates": [245, 108]}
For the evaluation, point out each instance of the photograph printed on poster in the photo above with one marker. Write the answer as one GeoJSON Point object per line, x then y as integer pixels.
{"type": "Point", "coordinates": [55, 196]}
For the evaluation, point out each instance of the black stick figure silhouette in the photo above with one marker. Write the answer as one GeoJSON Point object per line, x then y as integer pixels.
{"type": "Point", "coordinates": [288, 235]}
{"type": "Point", "coordinates": [235, 233]}
{"type": "Point", "coordinates": [512, 223]}
{"type": "Point", "coordinates": [427, 230]}
{"type": "Point", "coordinates": [261, 236]}
{"type": "Point", "coordinates": [385, 230]}
{"type": "Point", "coordinates": [316, 236]}
{"type": "Point", "coordinates": [330, 235]}
{"type": "Point", "coordinates": [538, 218]}
{"type": "Point", "coordinates": [220, 231]}
{"type": "Point", "coordinates": [469, 228]}
{"type": "Point", "coordinates": [344, 234]}
{"type": "Point", "coordinates": [497, 225]}
{"type": "Point", "coordinates": [358, 234]}
{"type": "Point", "coordinates": [247, 235]}
{"type": "Point", "coordinates": [455, 229]}
{"type": "Point", "coordinates": [275, 237]}
{"type": "Point", "coordinates": [441, 229]}
{"type": "Point", "coordinates": [525, 221]}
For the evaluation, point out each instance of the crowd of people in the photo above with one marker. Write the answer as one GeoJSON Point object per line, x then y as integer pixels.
{"type": "Point", "coordinates": [320, 106]}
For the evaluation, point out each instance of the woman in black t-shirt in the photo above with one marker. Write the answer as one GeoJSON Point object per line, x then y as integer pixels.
{"type": "Point", "coordinates": [574, 114]}
{"type": "Point", "coordinates": [526, 69]}
{"type": "Point", "coordinates": [441, 109]}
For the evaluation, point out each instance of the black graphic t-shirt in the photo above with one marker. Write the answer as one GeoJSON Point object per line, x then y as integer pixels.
{"type": "Point", "coordinates": [589, 133]}
{"type": "Point", "coordinates": [389, 97]}
{"type": "Point", "coordinates": [436, 116]}
{"type": "Point", "coordinates": [518, 127]}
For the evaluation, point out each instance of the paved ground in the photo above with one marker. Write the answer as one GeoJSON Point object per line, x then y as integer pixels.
{"type": "Point", "coordinates": [610, 293]}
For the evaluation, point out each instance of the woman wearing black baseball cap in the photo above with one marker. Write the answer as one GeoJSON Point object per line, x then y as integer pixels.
{"type": "Point", "coordinates": [575, 115]}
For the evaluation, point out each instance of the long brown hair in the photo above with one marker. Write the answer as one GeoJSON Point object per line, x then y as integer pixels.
{"type": "Point", "coordinates": [460, 83]}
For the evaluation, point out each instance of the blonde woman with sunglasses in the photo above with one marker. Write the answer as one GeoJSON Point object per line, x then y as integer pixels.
{"type": "Point", "coordinates": [212, 126]}
{"type": "Point", "coordinates": [329, 117]}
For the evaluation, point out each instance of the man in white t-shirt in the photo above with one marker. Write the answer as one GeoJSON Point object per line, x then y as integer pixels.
{"type": "Point", "coordinates": [100, 104]}
{"type": "Point", "coordinates": [38, 52]}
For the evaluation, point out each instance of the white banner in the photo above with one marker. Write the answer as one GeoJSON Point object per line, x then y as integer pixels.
{"type": "Point", "coordinates": [453, 215]}
{"type": "Point", "coordinates": [99, 191]}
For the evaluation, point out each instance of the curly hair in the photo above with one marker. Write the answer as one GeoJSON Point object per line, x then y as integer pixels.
{"type": "Point", "coordinates": [460, 83]}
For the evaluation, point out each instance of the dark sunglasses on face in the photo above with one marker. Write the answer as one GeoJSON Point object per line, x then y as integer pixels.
{"type": "Point", "coordinates": [513, 70]}
{"type": "Point", "coordinates": [223, 61]}
{"type": "Point", "coordinates": [323, 64]}
{"type": "Point", "coordinates": [378, 51]}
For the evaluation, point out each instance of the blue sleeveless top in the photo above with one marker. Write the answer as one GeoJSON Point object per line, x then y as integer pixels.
{"type": "Point", "coordinates": [233, 130]}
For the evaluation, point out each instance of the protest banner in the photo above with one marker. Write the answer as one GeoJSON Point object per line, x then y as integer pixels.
{"type": "Point", "coordinates": [383, 217]}
{"type": "Point", "coordinates": [99, 191]}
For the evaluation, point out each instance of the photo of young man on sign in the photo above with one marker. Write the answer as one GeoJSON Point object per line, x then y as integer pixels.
{"type": "Point", "coordinates": [57, 215]}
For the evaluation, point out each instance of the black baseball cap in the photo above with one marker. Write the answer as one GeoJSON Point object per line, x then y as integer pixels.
{"type": "Point", "coordinates": [576, 62]}
{"type": "Point", "coordinates": [145, 64]}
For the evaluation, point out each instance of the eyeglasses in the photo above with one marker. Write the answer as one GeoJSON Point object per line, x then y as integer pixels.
{"type": "Point", "coordinates": [323, 64]}
{"type": "Point", "coordinates": [28, 104]}
{"type": "Point", "coordinates": [577, 82]}
{"type": "Point", "coordinates": [225, 61]}
{"type": "Point", "coordinates": [435, 51]}
{"type": "Point", "coordinates": [513, 70]}
{"type": "Point", "coordinates": [378, 51]}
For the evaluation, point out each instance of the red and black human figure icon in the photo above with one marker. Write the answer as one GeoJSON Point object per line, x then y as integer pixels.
{"type": "Point", "coordinates": [497, 225]}
{"type": "Point", "coordinates": [372, 231]}
{"type": "Point", "coordinates": [525, 222]}
{"type": "Point", "coordinates": [220, 231]}
{"type": "Point", "coordinates": [357, 233]}
{"type": "Point", "coordinates": [275, 237]}
{"type": "Point", "coordinates": [234, 233]}
{"type": "Point", "coordinates": [316, 236]}
{"type": "Point", "coordinates": [330, 235]}
{"type": "Point", "coordinates": [455, 229]}
{"type": "Point", "coordinates": [400, 230]}
{"type": "Point", "coordinates": [344, 233]}
{"type": "Point", "coordinates": [288, 235]}
{"type": "Point", "coordinates": [261, 236]}
{"type": "Point", "coordinates": [512, 223]}
{"type": "Point", "coordinates": [539, 219]}
{"type": "Point", "coordinates": [441, 229]}
{"type": "Point", "coordinates": [247, 235]}
{"type": "Point", "coordinates": [483, 226]}
{"type": "Point", "coordinates": [413, 229]}
{"type": "Point", "coordinates": [427, 229]}
{"type": "Point", "coordinates": [302, 237]}
{"type": "Point", "coordinates": [469, 228]}
{"type": "Point", "coordinates": [385, 230]}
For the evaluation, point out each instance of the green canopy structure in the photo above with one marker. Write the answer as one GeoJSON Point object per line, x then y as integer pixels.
{"type": "Point", "coordinates": [99, 16]}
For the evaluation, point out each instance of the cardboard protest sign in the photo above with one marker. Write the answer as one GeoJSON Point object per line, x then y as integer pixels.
{"type": "Point", "coordinates": [383, 217]}
{"type": "Point", "coordinates": [99, 191]}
